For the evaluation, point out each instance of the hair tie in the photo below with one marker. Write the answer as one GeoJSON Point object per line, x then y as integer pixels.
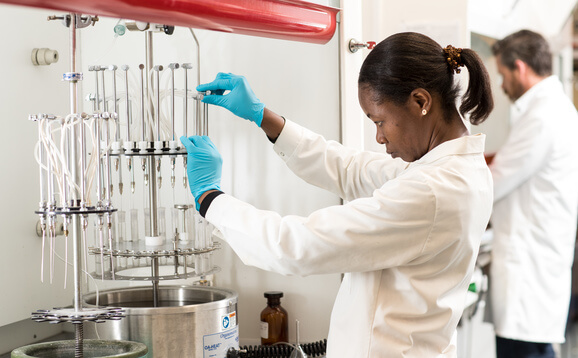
{"type": "Point", "coordinates": [454, 58]}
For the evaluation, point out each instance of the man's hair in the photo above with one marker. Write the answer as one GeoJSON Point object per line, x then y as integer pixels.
{"type": "Point", "coordinates": [527, 46]}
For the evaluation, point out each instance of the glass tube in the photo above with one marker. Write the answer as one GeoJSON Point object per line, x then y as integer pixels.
{"type": "Point", "coordinates": [134, 226]}
{"type": "Point", "coordinates": [121, 226]}
{"type": "Point", "coordinates": [190, 224]}
{"type": "Point", "coordinates": [208, 234]}
{"type": "Point", "coordinates": [200, 232]}
{"type": "Point", "coordinates": [161, 219]}
{"type": "Point", "coordinates": [174, 229]}
{"type": "Point", "coordinates": [198, 264]}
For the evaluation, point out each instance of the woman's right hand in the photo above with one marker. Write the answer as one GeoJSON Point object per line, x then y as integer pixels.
{"type": "Point", "coordinates": [240, 99]}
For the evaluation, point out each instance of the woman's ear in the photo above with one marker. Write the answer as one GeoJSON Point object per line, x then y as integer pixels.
{"type": "Point", "coordinates": [421, 100]}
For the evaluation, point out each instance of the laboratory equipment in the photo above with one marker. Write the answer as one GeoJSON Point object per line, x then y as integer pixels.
{"type": "Point", "coordinates": [298, 350]}
{"type": "Point", "coordinates": [187, 321]}
{"type": "Point", "coordinates": [64, 194]}
{"type": "Point", "coordinates": [81, 158]}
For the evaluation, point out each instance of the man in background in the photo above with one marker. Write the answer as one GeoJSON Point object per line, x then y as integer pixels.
{"type": "Point", "coordinates": [535, 203]}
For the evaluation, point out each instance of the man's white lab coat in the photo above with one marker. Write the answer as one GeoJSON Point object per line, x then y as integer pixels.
{"type": "Point", "coordinates": [534, 220]}
{"type": "Point", "coordinates": [408, 239]}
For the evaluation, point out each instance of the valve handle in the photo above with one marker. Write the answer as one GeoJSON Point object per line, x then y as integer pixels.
{"type": "Point", "coordinates": [355, 45]}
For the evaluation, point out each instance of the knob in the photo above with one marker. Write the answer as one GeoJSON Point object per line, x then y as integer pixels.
{"type": "Point", "coordinates": [355, 45]}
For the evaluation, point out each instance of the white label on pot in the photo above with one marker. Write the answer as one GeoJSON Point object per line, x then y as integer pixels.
{"type": "Point", "coordinates": [216, 345]}
{"type": "Point", "coordinates": [229, 320]}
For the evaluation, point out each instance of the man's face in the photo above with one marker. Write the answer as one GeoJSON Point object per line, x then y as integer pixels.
{"type": "Point", "coordinates": [511, 84]}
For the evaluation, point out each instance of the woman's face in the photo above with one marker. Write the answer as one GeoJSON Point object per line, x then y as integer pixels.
{"type": "Point", "coordinates": [399, 127]}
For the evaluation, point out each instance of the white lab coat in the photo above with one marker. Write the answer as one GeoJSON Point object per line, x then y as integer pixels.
{"type": "Point", "coordinates": [534, 220]}
{"type": "Point", "coordinates": [408, 238]}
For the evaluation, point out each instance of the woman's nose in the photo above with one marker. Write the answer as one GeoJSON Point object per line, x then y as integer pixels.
{"type": "Point", "coordinates": [379, 137]}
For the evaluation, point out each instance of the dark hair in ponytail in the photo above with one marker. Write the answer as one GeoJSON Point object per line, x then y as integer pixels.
{"type": "Point", "coordinates": [406, 61]}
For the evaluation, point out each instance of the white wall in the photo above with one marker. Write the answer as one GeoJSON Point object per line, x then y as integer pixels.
{"type": "Point", "coordinates": [26, 89]}
{"type": "Point", "coordinates": [445, 22]}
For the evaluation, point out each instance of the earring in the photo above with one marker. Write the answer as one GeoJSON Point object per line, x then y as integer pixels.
{"type": "Point", "coordinates": [423, 112]}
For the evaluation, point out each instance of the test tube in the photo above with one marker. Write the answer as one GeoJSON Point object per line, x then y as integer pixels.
{"type": "Point", "coordinates": [175, 226]}
{"type": "Point", "coordinates": [162, 221]}
{"type": "Point", "coordinates": [200, 232]}
{"type": "Point", "coordinates": [121, 226]}
{"type": "Point", "coordinates": [134, 226]}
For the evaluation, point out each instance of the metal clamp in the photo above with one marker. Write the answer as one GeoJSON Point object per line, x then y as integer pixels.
{"type": "Point", "coordinates": [355, 45]}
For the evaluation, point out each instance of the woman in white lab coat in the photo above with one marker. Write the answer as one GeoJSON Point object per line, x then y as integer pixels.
{"type": "Point", "coordinates": [408, 235]}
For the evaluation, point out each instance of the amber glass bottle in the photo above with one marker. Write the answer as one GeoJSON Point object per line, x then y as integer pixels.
{"type": "Point", "coordinates": [274, 322]}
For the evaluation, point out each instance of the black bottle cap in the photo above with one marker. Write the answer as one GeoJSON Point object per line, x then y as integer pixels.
{"type": "Point", "coordinates": [273, 294]}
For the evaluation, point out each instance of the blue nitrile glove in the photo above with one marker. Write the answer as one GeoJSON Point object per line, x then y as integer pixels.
{"type": "Point", "coordinates": [241, 100]}
{"type": "Point", "coordinates": [204, 165]}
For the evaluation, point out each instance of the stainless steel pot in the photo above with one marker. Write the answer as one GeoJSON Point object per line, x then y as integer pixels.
{"type": "Point", "coordinates": [91, 349]}
{"type": "Point", "coordinates": [191, 322]}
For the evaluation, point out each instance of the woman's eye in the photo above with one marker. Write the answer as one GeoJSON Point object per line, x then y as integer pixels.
{"type": "Point", "coordinates": [379, 124]}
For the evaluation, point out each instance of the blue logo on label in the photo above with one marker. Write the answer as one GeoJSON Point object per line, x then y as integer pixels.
{"type": "Point", "coordinates": [225, 322]}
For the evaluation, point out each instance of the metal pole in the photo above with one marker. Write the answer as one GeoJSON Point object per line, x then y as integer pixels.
{"type": "Point", "coordinates": [76, 229]}
{"type": "Point", "coordinates": [75, 225]}
{"type": "Point", "coordinates": [155, 274]}
{"type": "Point", "coordinates": [149, 65]}
{"type": "Point", "coordinates": [128, 121]}
{"type": "Point", "coordinates": [154, 232]}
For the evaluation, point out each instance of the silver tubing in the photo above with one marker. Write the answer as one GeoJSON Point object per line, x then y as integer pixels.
{"type": "Point", "coordinates": [106, 161]}
{"type": "Point", "coordinates": [198, 56]}
{"type": "Point", "coordinates": [50, 175]}
{"type": "Point", "coordinates": [97, 89]}
{"type": "Point", "coordinates": [73, 84]}
{"type": "Point", "coordinates": [142, 102]}
{"type": "Point", "coordinates": [83, 198]}
{"type": "Point", "coordinates": [186, 67]}
{"type": "Point", "coordinates": [43, 200]}
{"type": "Point", "coordinates": [76, 174]}
{"type": "Point", "coordinates": [115, 102]}
{"type": "Point", "coordinates": [98, 163]}
{"type": "Point", "coordinates": [73, 92]}
{"type": "Point", "coordinates": [173, 66]}
{"type": "Point", "coordinates": [76, 230]}
{"type": "Point", "coordinates": [104, 101]}
{"type": "Point", "coordinates": [155, 280]}
{"type": "Point", "coordinates": [158, 70]}
{"type": "Point", "coordinates": [152, 185]}
{"type": "Point", "coordinates": [64, 194]}
{"type": "Point", "coordinates": [128, 121]}
{"type": "Point", "coordinates": [149, 65]}
{"type": "Point", "coordinates": [199, 115]}
{"type": "Point", "coordinates": [205, 119]}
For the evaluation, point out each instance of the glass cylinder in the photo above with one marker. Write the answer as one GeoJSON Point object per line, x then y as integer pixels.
{"type": "Point", "coordinates": [200, 232]}
{"type": "Point", "coordinates": [162, 221]}
{"type": "Point", "coordinates": [134, 226]}
{"type": "Point", "coordinates": [121, 226]}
